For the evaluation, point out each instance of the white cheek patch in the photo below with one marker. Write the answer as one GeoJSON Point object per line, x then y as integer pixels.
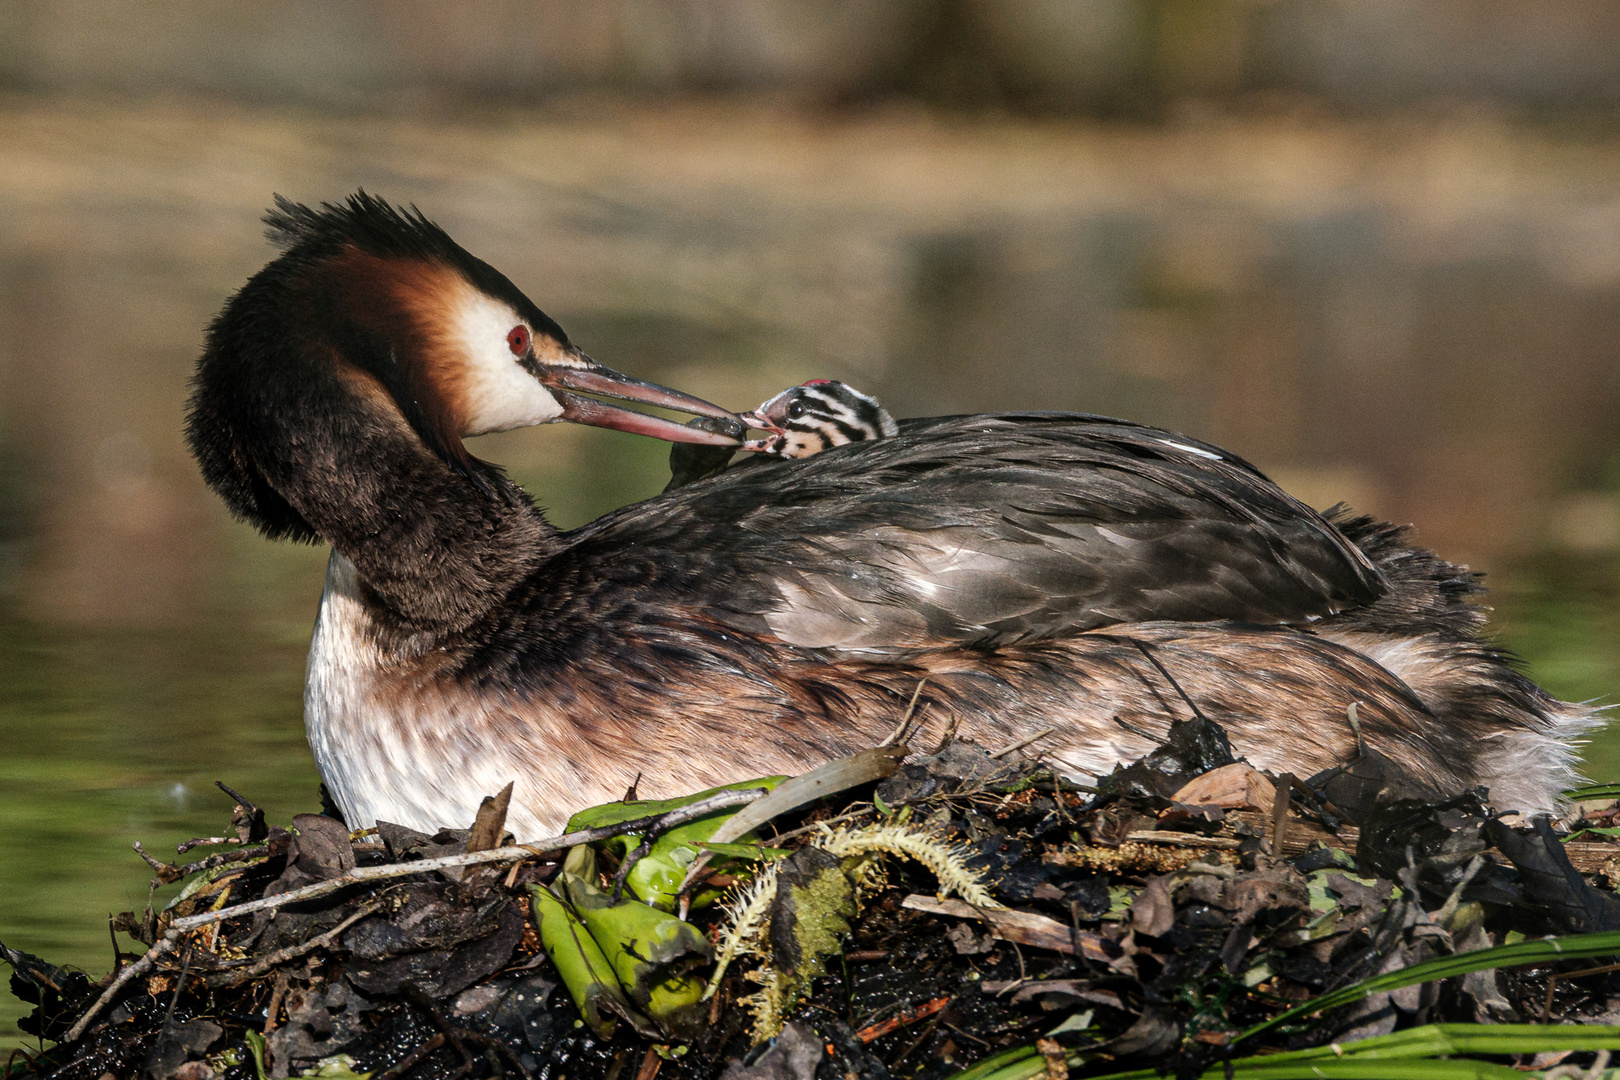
{"type": "Point", "coordinates": [497, 394]}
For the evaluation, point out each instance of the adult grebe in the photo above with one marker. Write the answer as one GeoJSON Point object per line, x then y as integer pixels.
{"type": "Point", "coordinates": [1041, 570]}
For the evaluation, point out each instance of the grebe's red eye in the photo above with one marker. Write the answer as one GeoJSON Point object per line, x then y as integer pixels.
{"type": "Point", "coordinates": [518, 341]}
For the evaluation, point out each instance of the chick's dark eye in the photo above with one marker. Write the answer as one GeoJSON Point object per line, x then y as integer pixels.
{"type": "Point", "coordinates": [795, 410]}
{"type": "Point", "coordinates": [518, 340]}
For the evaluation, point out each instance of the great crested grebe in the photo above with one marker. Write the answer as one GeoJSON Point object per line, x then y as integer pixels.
{"type": "Point", "coordinates": [1040, 570]}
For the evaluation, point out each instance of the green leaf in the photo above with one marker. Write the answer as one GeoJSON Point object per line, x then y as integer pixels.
{"type": "Point", "coordinates": [596, 817]}
{"type": "Point", "coordinates": [1609, 830]}
{"type": "Point", "coordinates": [1594, 791]}
{"type": "Point", "coordinates": [1007, 1065]}
{"type": "Point", "coordinates": [652, 953]}
{"type": "Point", "coordinates": [255, 1045]}
{"type": "Point", "coordinates": [657, 876]}
{"type": "Point", "coordinates": [584, 969]}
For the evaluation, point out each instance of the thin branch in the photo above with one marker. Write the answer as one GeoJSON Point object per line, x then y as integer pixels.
{"type": "Point", "coordinates": [1141, 732]}
{"type": "Point", "coordinates": [291, 952]}
{"type": "Point", "coordinates": [414, 1058]}
{"type": "Point", "coordinates": [629, 864]}
{"type": "Point", "coordinates": [1154, 660]}
{"type": "Point", "coordinates": [1037, 737]}
{"type": "Point", "coordinates": [121, 980]}
{"type": "Point", "coordinates": [242, 800]}
{"type": "Point", "coordinates": [167, 873]}
{"type": "Point", "coordinates": [945, 739]}
{"type": "Point", "coordinates": [361, 875]}
{"type": "Point", "coordinates": [902, 732]}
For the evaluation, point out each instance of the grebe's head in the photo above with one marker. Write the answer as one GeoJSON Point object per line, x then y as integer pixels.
{"type": "Point", "coordinates": [374, 309]}
{"type": "Point", "coordinates": [816, 416]}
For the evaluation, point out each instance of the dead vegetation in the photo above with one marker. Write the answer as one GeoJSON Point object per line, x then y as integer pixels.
{"type": "Point", "coordinates": [963, 909]}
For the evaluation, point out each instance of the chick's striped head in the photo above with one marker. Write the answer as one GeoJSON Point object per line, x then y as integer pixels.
{"type": "Point", "coordinates": [816, 416]}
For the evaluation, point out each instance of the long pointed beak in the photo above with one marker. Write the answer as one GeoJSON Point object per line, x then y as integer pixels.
{"type": "Point", "coordinates": [596, 379]}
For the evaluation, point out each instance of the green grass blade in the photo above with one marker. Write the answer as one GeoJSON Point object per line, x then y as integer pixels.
{"type": "Point", "coordinates": [1019, 1063]}
{"type": "Point", "coordinates": [1368, 1058]}
{"type": "Point", "coordinates": [1414, 1049]}
{"type": "Point", "coordinates": [1594, 791]}
{"type": "Point", "coordinates": [1537, 951]}
{"type": "Point", "coordinates": [1433, 1039]}
{"type": "Point", "coordinates": [1406, 1069]}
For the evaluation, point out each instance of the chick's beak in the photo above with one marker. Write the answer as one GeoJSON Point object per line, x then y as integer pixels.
{"type": "Point", "coordinates": [583, 373]}
{"type": "Point", "coordinates": [757, 419]}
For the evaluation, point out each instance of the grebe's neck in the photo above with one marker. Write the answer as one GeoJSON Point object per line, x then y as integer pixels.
{"type": "Point", "coordinates": [309, 447]}
{"type": "Point", "coordinates": [435, 545]}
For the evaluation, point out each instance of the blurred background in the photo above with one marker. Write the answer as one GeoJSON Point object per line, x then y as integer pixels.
{"type": "Point", "coordinates": [1372, 246]}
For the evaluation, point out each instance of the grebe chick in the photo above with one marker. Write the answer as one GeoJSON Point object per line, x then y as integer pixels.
{"type": "Point", "coordinates": [1040, 571]}
{"type": "Point", "coordinates": [816, 416]}
{"type": "Point", "coordinates": [803, 420]}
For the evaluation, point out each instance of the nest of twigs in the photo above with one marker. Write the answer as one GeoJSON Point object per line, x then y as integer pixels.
{"type": "Point", "coordinates": [1175, 917]}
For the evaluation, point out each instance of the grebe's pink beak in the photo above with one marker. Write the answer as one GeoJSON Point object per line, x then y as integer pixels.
{"type": "Point", "coordinates": [594, 378]}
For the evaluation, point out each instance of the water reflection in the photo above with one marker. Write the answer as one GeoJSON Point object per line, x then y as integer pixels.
{"type": "Point", "coordinates": [1419, 317]}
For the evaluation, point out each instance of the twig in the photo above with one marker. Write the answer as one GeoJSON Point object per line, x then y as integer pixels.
{"type": "Point", "coordinates": [876, 1031]}
{"type": "Point", "coordinates": [420, 998]}
{"type": "Point", "coordinates": [864, 811]}
{"type": "Point", "coordinates": [205, 841]}
{"type": "Point", "coordinates": [945, 739]}
{"type": "Point", "coordinates": [121, 980]}
{"type": "Point", "coordinates": [1552, 984]}
{"type": "Point", "coordinates": [413, 1059]}
{"type": "Point", "coordinates": [902, 732]}
{"type": "Point", "coordinates": [291, 952]}
{"type": "Point", "coordinates": [167, 873]}
{"type": "Point", "coordinates": [629, 863]}
{"type": "Point", "coordinates": [1039, 735]}
{"type": "Point", "coordinates": [118, 954]}
{"type": "Point", "coordinates": [242, 800]}
{"type": "Point", "coordinates": [272, 1012]}
{"type": "Point", "coordinates": [1279, 812]}
{"type": "Point", "coordinates": [1351, 714]}
{"type": "Point", "coordinates": [489, 1042]}
{"type": "Point", "coordinates": [225, 858]}
{"type": "Point", "coordinates": [364, 874]}
{"type": "Point", "coordinates": [1154, 660]}
{"type": "Point", "coordinates": [1139, 732]}
{"type": "Point", "coordinates": [179, 985]}
{"type": "Point", "coordinates": [926, 1033]}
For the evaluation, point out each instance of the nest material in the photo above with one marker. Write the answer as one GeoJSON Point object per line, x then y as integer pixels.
{"type": "Point", "coordinates": [1150, 924]}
